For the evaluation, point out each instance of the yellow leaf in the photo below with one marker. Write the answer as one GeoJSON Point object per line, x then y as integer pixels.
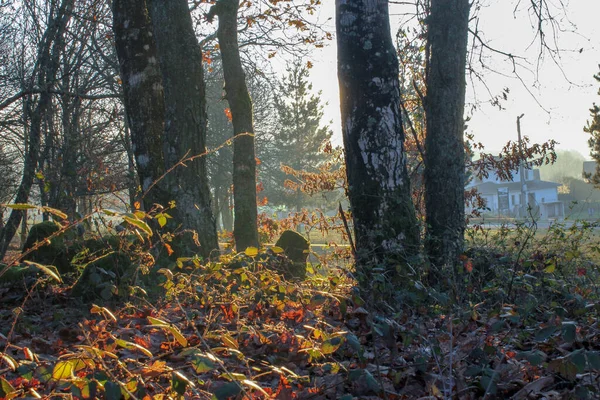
{"type": "Point", "coordinates": [230, 342]}
{"type": "Point", "coordinates": [178, 336]}
{"type": "Point", "coordinates": [256, 386]}
{"type": "Point", "coordinates": [251, 251]}
{"type": "Point", "coordinates": [162, 220]}
{"type": "Point", "coordinates": [156, 321]}
{"type": "Point", "coordinates": [62, 370]}
{"type": "Point", "coordinates": [277, 250]}
{"type": "Point", "coordinates": [7, 390]}
{"type": "Point", "coordinates": [9, 361]}
{"type": "Point", "coordinates": [166, 272]}
{"type": "Point", "coordinates": [550, 268]}
{"type": "Point", "coordinates": [140, 214]}
{"type": "Point", "coordinates": [138, 224]}
{"type": "Point", "coordinates": [56, 212]}
{"type": "Point", "coordinates": [48, 270]}
{"type": "Point", "coordinates": [20, 206]}
{"type": "Point", "coordinates": [133, 346]}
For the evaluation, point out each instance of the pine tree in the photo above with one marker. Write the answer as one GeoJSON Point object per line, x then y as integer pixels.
{"type": "Point", "coordinates": [298, 140]}
{"type": "Point", "coordinates": [593, 128]}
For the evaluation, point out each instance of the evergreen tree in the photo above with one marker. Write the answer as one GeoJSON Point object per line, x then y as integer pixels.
{"type": "Point", "coordinates": [298, 139]}
{"type": "Point", "coordinates": [593, 128]}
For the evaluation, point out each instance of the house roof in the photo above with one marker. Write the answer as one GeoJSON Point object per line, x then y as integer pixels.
{"type": "Point", "coordinates": [492, 187]}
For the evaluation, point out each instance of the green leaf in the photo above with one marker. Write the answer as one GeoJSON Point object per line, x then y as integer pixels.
{"type": "Point", "coordinates": [535, 357]}
{"type": "Point", "coordinates": [317, 300]}
{"type": "Point", "coordinates": [6, 389]}
{"type": "Point", "coordinates": [138, 224]}
{"type": "Point", "coordinates": [251, 252]}
{"type": "Point", "coordinates": [180, 382]}
{"type": "Point", "coordinates": [569, 331]}
{"type": "Point", "coordinates": [112, 391]}
{"type": "Point", "coordinates": [48, 270]}
{"type": "Point", "coordinates": [579, 360]}
{"type": "Point", "coordinates": [202, 364]}
{"type": "Point", "coordinates": [372, 382]}
{"type": "Point", "coordinates": [593, 358]}
{"type": "Point", "coordinates": [331, 345]}
{"type": "Point", "coordinates": [550, 268]}
{"type": "Point", "coordinates": [545, 333]}
{"type": "Point", "coordinates": [228, 390]}
{"type": "Point", "coordinates": [63, 370]}
{"type": "Point", "coordinates": [162, 220]}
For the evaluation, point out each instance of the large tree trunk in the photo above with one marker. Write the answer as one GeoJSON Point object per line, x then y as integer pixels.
{"type": "Point", "coordinates": [444, 106]}
{"type": "Point", "coordinates": [385, 225]}
{"type": "Point", "coordinates": [245, 230]}
{"type": "Point", "coordinates": [180, 60]}
{"type": "Point", "coordinates": [49, 53]}
{"type": "Point", "coordinates": [143, 94]}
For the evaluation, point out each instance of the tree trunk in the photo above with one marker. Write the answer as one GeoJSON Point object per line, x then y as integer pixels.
{"type": "Point", "coordinates": [245, 230]}
{"type": "Point", "coordinates": [49, 53]}
{"type": "Point", "coordinates": [143, 94]}
{"type": "Point", "coordinates": [385, 224]}
{"type": "Point", "coordinates": [444, 106]}
{"type": "Point", "coordinates": [180, 60]}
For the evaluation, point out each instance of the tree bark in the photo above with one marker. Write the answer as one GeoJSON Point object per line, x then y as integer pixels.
{"type": "Point", "coordinates": [142, 93]}
{"type": "Point", "coordinates": [384, 218]}
{"type": "Point", "coordinates": [245, 229]}
{"type": "Point", "coordinates": [48, 57]}
{"type": "Point", "coordinates": [444, 144]}
{"type": "Point", "coordinates": [180, 60]}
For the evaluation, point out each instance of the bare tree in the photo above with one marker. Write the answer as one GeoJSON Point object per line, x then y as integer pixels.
{"type": "Point", "coordinates": [245, 228]}
{"type": "Point", "coordinates": [48, 57]}
{"type": "Point", "coordinates": [444, 144]}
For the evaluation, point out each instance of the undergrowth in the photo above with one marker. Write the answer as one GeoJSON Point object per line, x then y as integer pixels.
{"type": "Point", "coordinates": [522, 324]}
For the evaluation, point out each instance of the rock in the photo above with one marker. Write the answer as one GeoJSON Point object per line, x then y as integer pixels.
{"type": "Point", "coordinates": [296, 248]}
{"type": "Point", "coordinates": [103, 275]}
{"type": "Point", "coordinates": [58, 252]}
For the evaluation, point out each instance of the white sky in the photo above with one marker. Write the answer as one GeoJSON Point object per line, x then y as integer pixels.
{"type": "Point", "coordinates": [565, 101]}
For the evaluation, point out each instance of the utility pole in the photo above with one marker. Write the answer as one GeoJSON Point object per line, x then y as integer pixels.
{"type": "Point", "coordinates": [523, 201]}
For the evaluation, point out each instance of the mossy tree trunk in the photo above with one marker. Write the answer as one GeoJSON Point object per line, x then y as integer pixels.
{"type": "Point", "coordinates": [245, 230]}
{"type": "Point", "coordinates": [180, 60]}
{"type": "Point", "coordinates": [384, 218]}
{"type": "Point", "coordinates": [142, 93]}
{"type": "Point", "coordinates": [444, 144]}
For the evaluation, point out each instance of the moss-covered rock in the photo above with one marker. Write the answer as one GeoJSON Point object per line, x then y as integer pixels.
{"type": "Point", "coordinates": [16, 273]}
{"type": "Point", "coordinates": [58, 251]}
{"type": "Point", "coordinates": [296, 248]}
{"type": "Point", "coordinates": [104, 277]}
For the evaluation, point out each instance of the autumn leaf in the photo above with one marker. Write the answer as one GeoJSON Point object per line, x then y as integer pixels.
{"type": "Point", "coordinates": [227, 112]}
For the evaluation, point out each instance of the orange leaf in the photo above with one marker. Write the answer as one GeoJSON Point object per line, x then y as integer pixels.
{"type": "Point", "coordinates": [228, 114]}
{"type": "Point", "coordinates": [169, 248]}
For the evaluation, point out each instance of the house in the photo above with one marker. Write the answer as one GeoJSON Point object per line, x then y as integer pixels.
{"type": "Point", "coordinates": [505, 197]}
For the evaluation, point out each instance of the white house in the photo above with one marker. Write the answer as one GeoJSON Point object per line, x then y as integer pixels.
{"type": "Point", "coordinates": [504, 197]}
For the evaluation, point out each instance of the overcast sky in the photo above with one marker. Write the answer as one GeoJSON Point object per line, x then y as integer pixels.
{"type": "Point", "coordinates": [564, 97]}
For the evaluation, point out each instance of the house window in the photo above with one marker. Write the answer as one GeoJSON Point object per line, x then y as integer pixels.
{"type": "Point", "coordinates": [512, 199]}
{"type": "Point", "coordinates": [543, 199]}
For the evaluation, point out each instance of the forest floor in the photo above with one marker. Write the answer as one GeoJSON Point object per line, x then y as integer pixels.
{"type": "Point", "coordinates": [522, 324]}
